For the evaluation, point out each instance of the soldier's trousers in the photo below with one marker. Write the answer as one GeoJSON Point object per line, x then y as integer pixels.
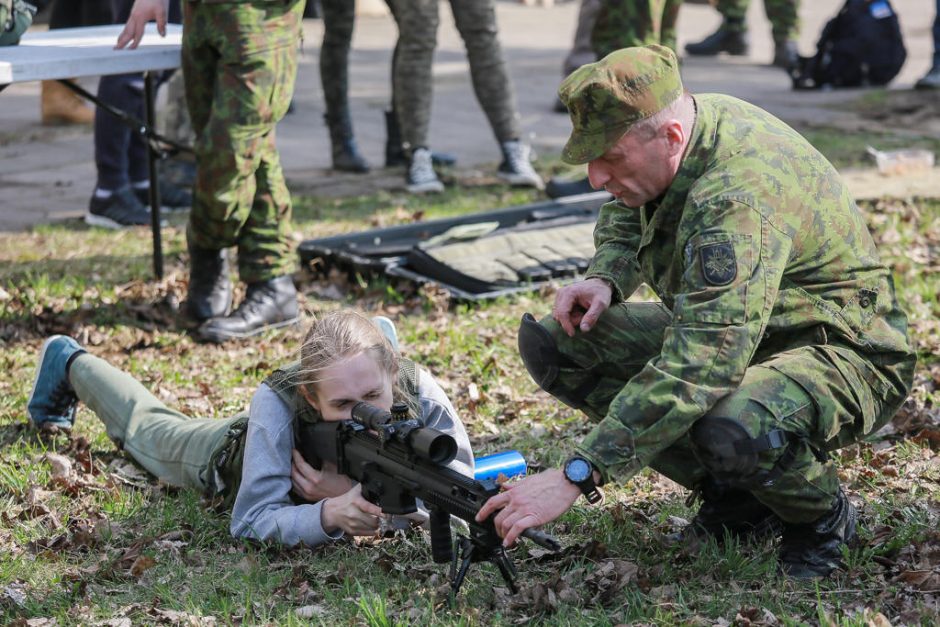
{"type": "Point", "coordinates": [783, 16]}
{"type": "Point", "coordinates": [628, 23]}
{"type": "Point", "coordinates": [795, 480]}
{"type": "Point", "coordinates": [239, 62]}
{"type": "Point", "coordinates": [418, 21]}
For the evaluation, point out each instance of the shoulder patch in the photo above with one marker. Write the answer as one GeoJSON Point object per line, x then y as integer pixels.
{"type": "Point", "coordinates": [719, 266]}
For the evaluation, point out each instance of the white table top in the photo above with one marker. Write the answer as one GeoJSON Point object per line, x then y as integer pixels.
{"type": "Point", "coordinates": [87, 51]}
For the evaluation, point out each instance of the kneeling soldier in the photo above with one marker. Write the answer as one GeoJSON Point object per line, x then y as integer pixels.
{"type": "Point", "coordinates": [779, 337]}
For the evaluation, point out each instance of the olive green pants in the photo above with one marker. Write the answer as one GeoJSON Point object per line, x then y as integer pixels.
{"type": "Point", "coordinates": [794, 478]}
{"type": "Point", "coordinates": [169, 445]}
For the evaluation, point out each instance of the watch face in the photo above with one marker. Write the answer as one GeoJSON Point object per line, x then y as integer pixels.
{"type": "Point", "coordinates": [577, 470]}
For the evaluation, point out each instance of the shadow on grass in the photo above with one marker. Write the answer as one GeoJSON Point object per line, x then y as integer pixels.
{"type": "Point", "coordinates": [162, 315]}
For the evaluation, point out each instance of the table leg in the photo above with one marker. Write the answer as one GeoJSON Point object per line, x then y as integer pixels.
{"type": "Point", "coordinates": [152, 156]}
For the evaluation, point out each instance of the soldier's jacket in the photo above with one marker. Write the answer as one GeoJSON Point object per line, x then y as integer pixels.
{"type": "Point", "coordinates": [757, 248]}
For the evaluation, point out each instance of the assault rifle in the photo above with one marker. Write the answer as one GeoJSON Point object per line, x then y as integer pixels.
{"type": "Point", "coordinates": [398, 461]}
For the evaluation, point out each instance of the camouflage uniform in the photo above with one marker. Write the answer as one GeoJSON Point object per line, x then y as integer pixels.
{"type": "Point", "coordinates": [476, 21]}
{"type": "Point", "coordinates": [776, 311]}
{"type": "Point", "coordinates": [783, 16]}
{"type": "Point", "coordinates": [239, 61]}
{"type": "Point", "coordinates": [627, 23]}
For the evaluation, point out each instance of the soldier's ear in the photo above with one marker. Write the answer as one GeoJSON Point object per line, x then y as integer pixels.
{"type": "Point", "coordinates": [675, 134]}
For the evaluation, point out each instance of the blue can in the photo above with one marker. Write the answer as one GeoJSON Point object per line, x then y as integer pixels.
{"type": "Point", "coordinates": [509, 464]}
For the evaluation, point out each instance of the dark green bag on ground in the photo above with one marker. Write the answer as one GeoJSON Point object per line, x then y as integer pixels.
{"type": "Point", "coordinates": [15, 18]}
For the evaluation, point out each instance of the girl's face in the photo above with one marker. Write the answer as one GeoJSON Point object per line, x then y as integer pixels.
{"type": "Point", "coordinates": [355, 379]}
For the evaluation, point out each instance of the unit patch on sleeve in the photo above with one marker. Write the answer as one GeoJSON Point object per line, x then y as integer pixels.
{"type": "Point", "coordinates": [718, 263]}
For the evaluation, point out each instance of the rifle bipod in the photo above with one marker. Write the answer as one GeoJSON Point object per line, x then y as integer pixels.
{"type": "Point", "coordinates": [466, 553]}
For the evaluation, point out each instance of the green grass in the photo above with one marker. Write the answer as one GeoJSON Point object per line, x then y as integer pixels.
{"type": "Point", "coordinates": [106, 546]}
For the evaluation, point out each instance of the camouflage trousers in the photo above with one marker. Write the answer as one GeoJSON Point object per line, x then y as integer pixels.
{"type": "Point", "coordinates": [796, 480]}
{"type": "Point", "coordinates": [783, 16]}
{"type": "Point", "coordinates": [628, 23]}
{"type": "Point", "coordinates": [418, 21]}
{"type": "Point", "coordinates": [239, 62]}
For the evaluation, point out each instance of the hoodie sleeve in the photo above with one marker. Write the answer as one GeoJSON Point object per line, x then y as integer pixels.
{"type": "Point", "coordinates": [263, 507]}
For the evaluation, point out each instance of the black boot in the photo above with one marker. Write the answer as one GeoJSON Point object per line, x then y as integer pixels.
{"type": "Point", "coordinates": [557, 188]}
{"type": "Point", "coordinates": [729, 510]}
{"type": "Point", "coordinates": [268, 305]}
{"type": "Point", "coordinates": [395, 152]}
{"type": "Point", "coordinates": [786, 55]}
{"type": "Point", "coordinates": [346, 156]}
{"type": "Point", "coordinates": [210, 289]}
{"type": "Point", "coordinates": [814, 549]}
{"type": "Point", "coordinates": [731, 37]}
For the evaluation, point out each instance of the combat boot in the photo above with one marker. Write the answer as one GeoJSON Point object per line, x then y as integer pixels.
{"type": "Point", "coordinates": [814, 549]}
{"type": "Point", "coordinates": [346, 155]}
{"type": "Point", "coordinates": [210, 288]}
{"type": "Point", "coordinates": [729, 510]}
{"type": "Point", "coordinates": [268, 304]}
{"type": "Point", "coordinates": [731, 37]}
{"type": "Point", "coordinates": [60, 105]}
{"type": "Point", "coordinates": [786, 55]}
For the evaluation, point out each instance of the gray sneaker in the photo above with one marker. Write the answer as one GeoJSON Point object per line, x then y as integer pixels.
{"type": "Point", "coordinates": [119, 210]}
{"type": "Point", "coordinates": [516, 168]}
{"type": "Point", "coordinates": [931, 79]}
{"type": "Point", "coordinates": [421, 177]}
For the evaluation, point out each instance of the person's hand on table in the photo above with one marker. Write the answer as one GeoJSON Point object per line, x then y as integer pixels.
{"type": "Point", "coordinates": [142, 12]}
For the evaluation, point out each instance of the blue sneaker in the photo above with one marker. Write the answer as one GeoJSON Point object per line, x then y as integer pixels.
{"type": "Point", "coordinates": [387, 327]}
{"type": "Point", "coordinates": [53, 401]}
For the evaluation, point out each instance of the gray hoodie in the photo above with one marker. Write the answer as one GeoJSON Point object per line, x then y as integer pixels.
{"type": "Point", "coordinates": [263, 507]}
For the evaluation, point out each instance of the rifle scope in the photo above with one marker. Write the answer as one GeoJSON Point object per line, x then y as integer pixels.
{"type": "Point", "coordinates": [433, 445]}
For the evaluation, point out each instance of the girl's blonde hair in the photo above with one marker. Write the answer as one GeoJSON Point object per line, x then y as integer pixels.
{"type": "Point", "coordinates": [338, 336]}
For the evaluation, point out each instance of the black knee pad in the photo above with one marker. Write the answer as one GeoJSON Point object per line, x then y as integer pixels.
{"type": "Point", "coordinates": [728, 452]}
{"type": "Point", "coordinates": [715, 442]}
{"type": "Point", "coordinates": [539, 352]}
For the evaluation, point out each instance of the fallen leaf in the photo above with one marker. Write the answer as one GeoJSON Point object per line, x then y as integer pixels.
{"type": "Point", "coordinates": [141, 565]}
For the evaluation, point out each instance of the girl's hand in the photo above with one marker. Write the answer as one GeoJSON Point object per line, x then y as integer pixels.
{"type": "Point", "coordinates": [315, 485]}
{"type": "Point", "coordinates": [351, 513]}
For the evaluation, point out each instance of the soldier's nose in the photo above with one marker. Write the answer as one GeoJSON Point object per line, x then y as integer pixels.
{"type": "Point", "coordinates": [597, 174]}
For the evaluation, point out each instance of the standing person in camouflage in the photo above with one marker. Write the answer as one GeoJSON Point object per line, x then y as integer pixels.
{"type": "Point", "coordinates": [239, 65]}
{"type": "Point", "coordinates": [628, 23]}
{"type": "Point", "coordinates": [778, 339]}
{"type": "Point", "coordinates": [732, 36]}
{"type": "Point", "coordinates": [476, 20]}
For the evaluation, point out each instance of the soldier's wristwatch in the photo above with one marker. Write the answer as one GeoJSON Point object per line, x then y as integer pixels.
{"type": "Point", "coordinates": [580, 472]}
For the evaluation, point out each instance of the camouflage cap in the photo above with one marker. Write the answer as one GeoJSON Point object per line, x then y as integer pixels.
{"type": "Point", "coordinates": [606, 98]}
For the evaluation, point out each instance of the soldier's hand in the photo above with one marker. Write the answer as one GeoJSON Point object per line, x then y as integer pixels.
{"type": "Point", "coordinates": [581, 304]}
{"type": "Point", "coordinates": [531, 502]}
{"type": "Point", "coordinates": [351, 513]}
{"type": "Point", "coordinates": [315, 485]}
{"type": "Point", "coordinates": [142, 12]}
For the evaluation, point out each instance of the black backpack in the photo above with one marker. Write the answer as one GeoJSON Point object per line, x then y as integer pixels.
{"type": "Point", "coordinates": [860, 46]}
